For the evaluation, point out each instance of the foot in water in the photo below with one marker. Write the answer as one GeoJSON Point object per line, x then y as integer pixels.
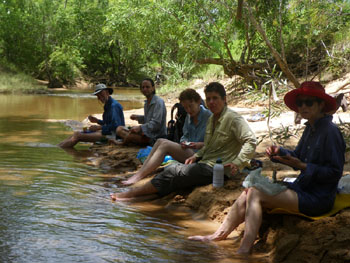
{"type": "Point", "coordinates": [133, 179]}
{"type": "Point", "coordinates": [115, 197]}
{"type": "Point", "coordinates": [217, 236]}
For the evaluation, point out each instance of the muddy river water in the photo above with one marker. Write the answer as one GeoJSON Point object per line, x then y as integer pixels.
{"type": "Point", "coordinates": [55, 208]}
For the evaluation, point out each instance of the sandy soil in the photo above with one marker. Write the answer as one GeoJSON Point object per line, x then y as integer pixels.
{"type": "Point", "coordinates": [284, 238]}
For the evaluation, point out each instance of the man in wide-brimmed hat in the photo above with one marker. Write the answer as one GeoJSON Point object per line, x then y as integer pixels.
{"type": "Point", "coordinates": [112, 118]}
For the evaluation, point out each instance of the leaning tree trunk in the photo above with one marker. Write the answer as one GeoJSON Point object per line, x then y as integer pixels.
{"type": "Point", "coordinates": [283, 65]}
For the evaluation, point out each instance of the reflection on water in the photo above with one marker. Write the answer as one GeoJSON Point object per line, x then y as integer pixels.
{"type": "Point", "coordinates": [55, 208]}
{"type": "Point", "coordinates": [67, 105]}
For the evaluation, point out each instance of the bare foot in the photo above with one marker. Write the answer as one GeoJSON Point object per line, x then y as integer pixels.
{"type": "Point", "coordinates": [115, 142]}
{"type": "Point", "coordinates": [200, 238]}
{"type": "Point", "coordinates": [244, 251]}
{"type": "Point", "coordinates": [217, 236]}
{"type": "Point", "coordinates": [133, 179]}
{"type": "Point", "coordinates": [115, 197]}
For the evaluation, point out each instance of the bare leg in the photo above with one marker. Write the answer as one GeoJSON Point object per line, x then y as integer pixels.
{"type": "Point", "coordinates": [256, 200]}
{"type": "Point", "coordinates": [248, 208]}
{"type": "Point", "coordinates": [160, 149]}
{"type": "Point", "coordinates": [145, 190]}
{"type": "Point", "coordinates": [80, 137]}
{"type": "Point", "coordinates": [129, 137]}
{"type": "Point", "coordinates": [234, 218]}
{"type": "Point", "coordinates": [122, 132]}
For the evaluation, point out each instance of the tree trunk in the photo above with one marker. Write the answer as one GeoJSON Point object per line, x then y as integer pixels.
{"type": "Point", "coordinates": [274, 52]}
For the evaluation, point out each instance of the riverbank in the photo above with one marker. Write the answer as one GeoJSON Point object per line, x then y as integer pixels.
{"type": "Point", "coordinates": [15, 82]}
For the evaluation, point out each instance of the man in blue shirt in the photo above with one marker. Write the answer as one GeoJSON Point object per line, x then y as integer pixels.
{"type": "Point", "coordinates": [112, 118]}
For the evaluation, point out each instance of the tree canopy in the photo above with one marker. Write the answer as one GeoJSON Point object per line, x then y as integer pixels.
{"type": "Point", "coordinates": [120, 41]}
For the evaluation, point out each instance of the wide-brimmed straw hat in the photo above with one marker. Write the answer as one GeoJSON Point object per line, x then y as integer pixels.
{"type": "Point", "coordinates": [310, 88]}
{"type": "Point", "coordinates": [100, 87]}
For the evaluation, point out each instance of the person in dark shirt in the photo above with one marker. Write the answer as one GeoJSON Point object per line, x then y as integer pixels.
{"type": "Point", "coordinates": [319, 156]}
{"type": "Point", "coordinates": [112, 118]}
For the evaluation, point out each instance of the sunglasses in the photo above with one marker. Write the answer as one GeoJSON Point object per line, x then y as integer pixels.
{"type": "Point", "coordinates": [307, 102]}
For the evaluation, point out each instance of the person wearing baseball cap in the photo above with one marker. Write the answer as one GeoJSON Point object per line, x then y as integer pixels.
{"type": "Point", "coordinates": [319, 156]}
{"type": "Point", "coordinates": [112, 118]}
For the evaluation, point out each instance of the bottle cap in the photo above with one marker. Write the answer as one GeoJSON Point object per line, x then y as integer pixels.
{"type": "Point", "coordinates": [219, 160]}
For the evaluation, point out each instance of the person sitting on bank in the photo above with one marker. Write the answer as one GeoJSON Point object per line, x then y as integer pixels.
{"type": "Point", "coordinates": [227, 136]}
{"type": "Point", "coordinates": [190, 142]}
{"type": "Point", "coordinates": [319, 155]}
{"type": "Point", "coordinates": [112, 118]}
{"type": "Point", "coordinates": [153, 122]}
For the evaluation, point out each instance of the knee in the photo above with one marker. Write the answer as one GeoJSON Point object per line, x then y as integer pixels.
{"type": "Point", "coordinates": [76, 135]}
{"type": "Point", "coordinates": [120, 131]}
{"type": "Point", "coordinates": [162, 143]}
{"type": "Point", "coordinates": [157, 143]}
{"type": "Point", "coordinates": [253, 194]}
{"type": "Point", "coordinates": [241, 200]}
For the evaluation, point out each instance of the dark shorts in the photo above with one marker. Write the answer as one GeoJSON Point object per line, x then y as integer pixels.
{"type": "Point", "coordinates": [181, 176]}
{"type": "Point", "coordinates": [311, 205]}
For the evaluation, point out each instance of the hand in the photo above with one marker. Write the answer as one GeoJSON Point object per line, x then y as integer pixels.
{"type": "Point", "coordinates": [233, 167]}
{"type": "Point", "coordinates": [94, 128]}
{"type": "Point", "coordinates": [92, 119]}
{"type": "Point", "coordinates": [291, 161]}
{"type": "Point", "coordinates": [136, 129]}
{"type": "Point", "coordinates": [186, 145]}
{"type": "Point", "coordinates": [134, 117]}
{"type": "Point", "coordinates": [191, 160]}
{"type": "Point", "coordinates": [272, 151]}
{"type": "Point", "coordinates": [192, 145]}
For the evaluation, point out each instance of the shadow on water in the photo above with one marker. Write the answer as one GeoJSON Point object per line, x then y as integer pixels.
{"type": "Point", "coordinates": [55, 208]}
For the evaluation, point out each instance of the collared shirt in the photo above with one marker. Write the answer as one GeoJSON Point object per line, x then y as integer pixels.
{"type": "Point", "coordinates": [112, 117]}
{"type": "Point", "coordinates": [154, 120]}
{"type": "Point", "coordinates": [322, 148]}
{"type": "Point", "coordinates": [195, 132]}
{"type": "Point", "coordinates": [232, 140]}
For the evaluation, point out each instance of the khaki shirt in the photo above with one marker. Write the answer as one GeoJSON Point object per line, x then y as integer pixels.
{"type": "Point", "coordinates": [232, 140]}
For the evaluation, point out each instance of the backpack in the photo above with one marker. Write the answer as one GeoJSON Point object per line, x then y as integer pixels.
{"type": "Point", "coordinates": [176, 124]}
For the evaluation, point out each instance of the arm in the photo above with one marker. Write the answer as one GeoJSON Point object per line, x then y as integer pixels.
{"type": "Point", "coordinates": [247, 139]}
{"type": "Point", "coordinates": [114, 118]}
{"type": "Point", "coordinates": [93, 119]}
{"type": "Point", "coordinates": [331, 163]}
{"type": "Point", "coordinates": [155, 122]}
{"type": "Point", "coordinates": [138, 118]}
{"type": "Point", "coordinates": [185, 132]}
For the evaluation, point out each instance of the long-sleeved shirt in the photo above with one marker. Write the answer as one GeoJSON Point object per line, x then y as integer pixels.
{"type": "Point", "coordinates": [232, 140]}
{"type": "Point", "coordinates": [154, 120]}
{"type": "Point", "coordinates": [195, 132]}
{"type": "Point", "coordinates": [112, 117]}
{"type": "Point", "coordinates": [322, 148]}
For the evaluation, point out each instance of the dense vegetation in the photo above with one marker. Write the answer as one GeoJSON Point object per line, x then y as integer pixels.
{"type": "Point", "coordinates": [120, 41]}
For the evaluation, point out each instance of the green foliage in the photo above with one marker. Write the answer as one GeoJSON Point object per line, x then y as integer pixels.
{"type": "Point", "coordinates": [64, 64]}
{"type": "Point", "coordinates": [119, 41]}
{"type": "Point", "coordinates": [208, 72]}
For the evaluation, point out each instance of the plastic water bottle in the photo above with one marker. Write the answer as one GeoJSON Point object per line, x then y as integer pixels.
{"type": "Point", "coordinates": [218, 174]}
